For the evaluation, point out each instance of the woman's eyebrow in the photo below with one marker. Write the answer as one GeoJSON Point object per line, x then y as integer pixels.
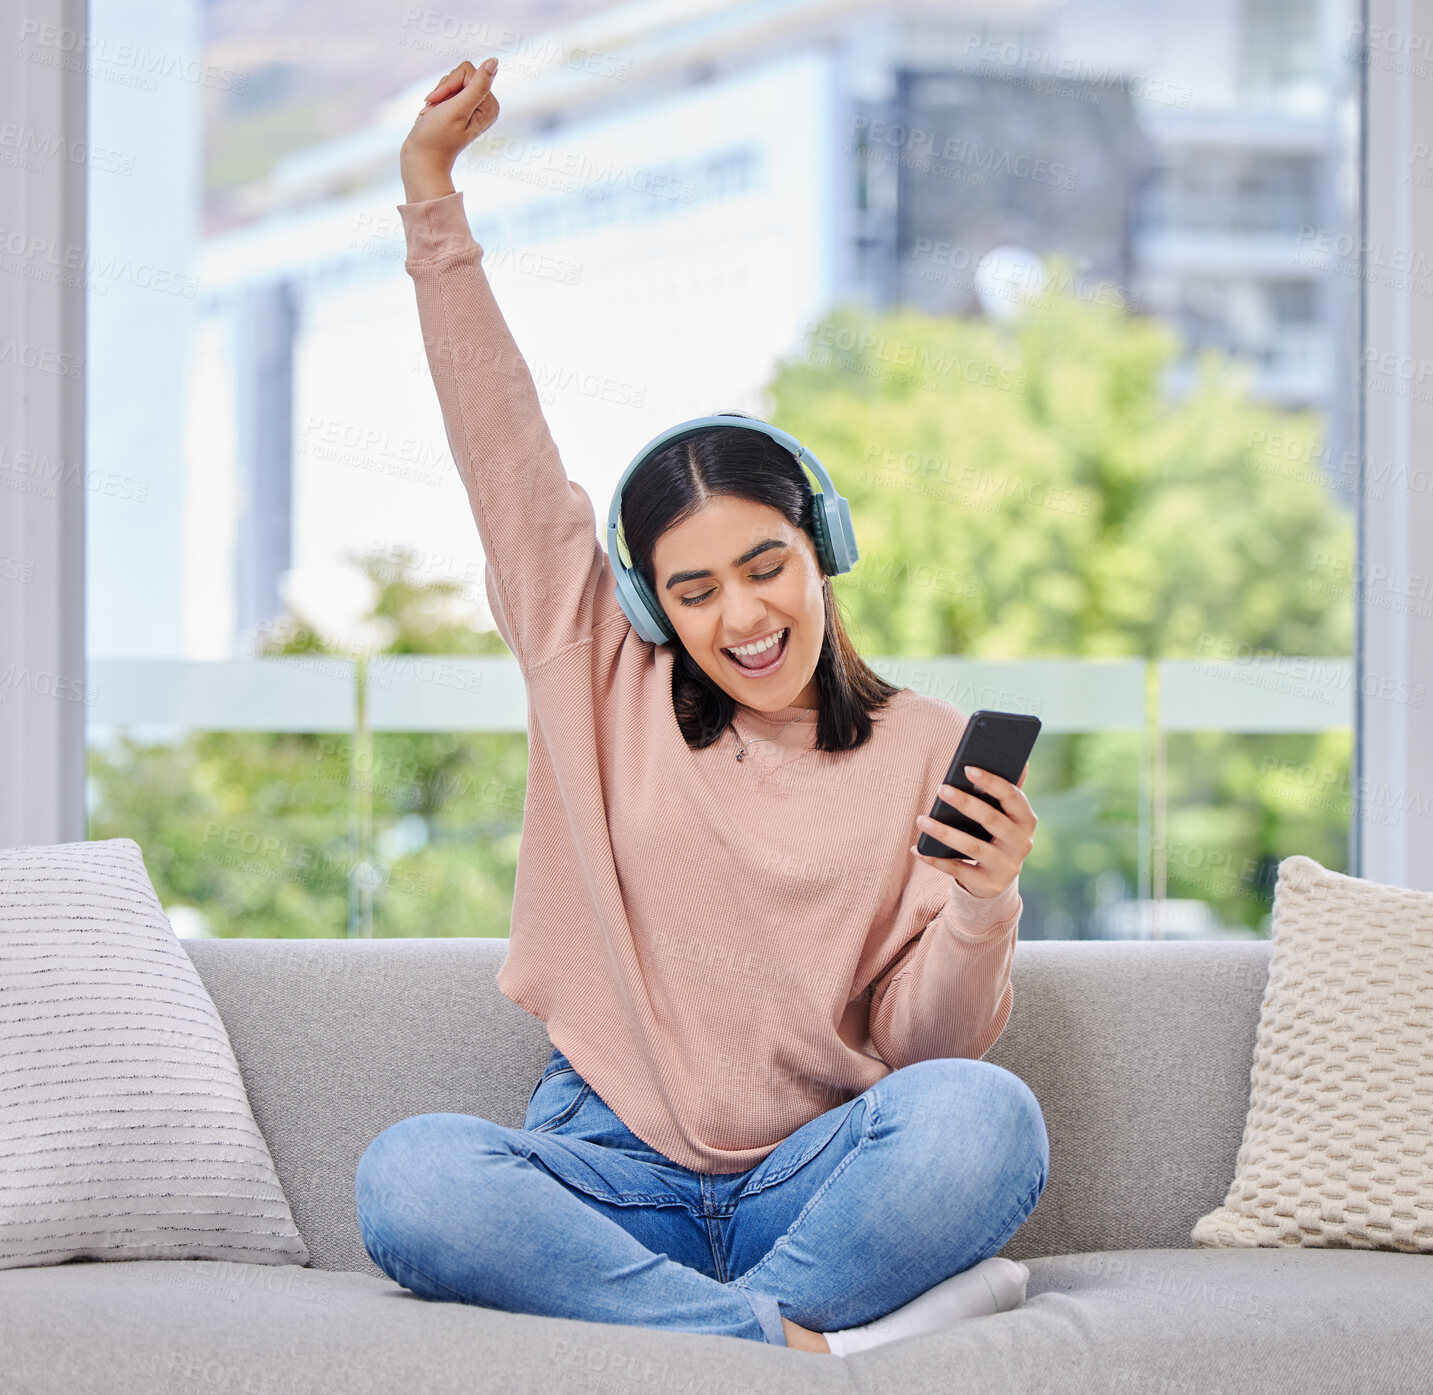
{"type": "Point", "coordinates": [677, 578]}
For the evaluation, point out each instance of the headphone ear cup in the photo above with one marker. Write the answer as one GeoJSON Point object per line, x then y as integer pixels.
{"type": "Point", "coordinates": [844, 550]}
{"type": "Point", "coordinates": [821, 523]}
{"type": "Point", "coordinates": [652, 604]}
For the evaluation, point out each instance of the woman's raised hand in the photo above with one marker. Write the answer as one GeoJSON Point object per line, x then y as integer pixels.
{"type": "Point", "coordinates": [457, 111]}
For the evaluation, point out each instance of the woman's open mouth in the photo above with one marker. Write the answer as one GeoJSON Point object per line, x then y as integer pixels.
{"type": "Point", "coordinates": [764, 662]}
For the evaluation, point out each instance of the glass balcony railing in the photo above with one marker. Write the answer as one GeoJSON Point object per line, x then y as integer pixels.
{"type": "Point", "coordinates": [317, 795]}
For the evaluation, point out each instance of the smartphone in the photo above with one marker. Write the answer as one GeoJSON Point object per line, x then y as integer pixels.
{"type": "Point", "coordinates": [1000, 742]}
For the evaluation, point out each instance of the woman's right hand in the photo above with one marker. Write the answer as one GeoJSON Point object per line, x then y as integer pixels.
{"type": "Point", "coordinates": [458, 110]}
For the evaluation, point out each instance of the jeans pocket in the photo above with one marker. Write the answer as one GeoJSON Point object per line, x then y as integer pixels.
{"type": "Point", "coordinates": [556, 1095]}
{"type": "Point", "coordinates": [795, 1151]}
{"type": "Point", "coordinates": [555, 1062]}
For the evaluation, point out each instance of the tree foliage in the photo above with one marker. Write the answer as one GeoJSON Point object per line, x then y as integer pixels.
{"type": "Point", "coordinates": [1034, 490]}
{"type": "Point", "coordinates": [256, 830]}
{"type": "Point", "coordinates": [1018, 491]}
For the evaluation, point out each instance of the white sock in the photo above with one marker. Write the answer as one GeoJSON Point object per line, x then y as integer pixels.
{"type": "Point", "coordinates": [995, 1285]}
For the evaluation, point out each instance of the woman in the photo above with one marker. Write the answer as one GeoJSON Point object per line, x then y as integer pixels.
{"type": "Point", "coordinates": [764, 1114]}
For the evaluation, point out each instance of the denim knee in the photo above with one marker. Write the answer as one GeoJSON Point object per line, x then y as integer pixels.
{"type": "Point", "coordinates": [1006, 1109]}
{"type": "Point", "coordinates": [1024, 1121]}
{"type": "Point", "coordinates": [385, 1175]}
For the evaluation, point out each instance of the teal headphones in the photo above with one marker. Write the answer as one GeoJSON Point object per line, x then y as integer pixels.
{"type": "Point", "coordinates": [835, 538]}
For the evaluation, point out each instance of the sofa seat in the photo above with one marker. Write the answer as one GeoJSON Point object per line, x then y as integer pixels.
{"type": "Point", "coordinates": [1147, 1322]}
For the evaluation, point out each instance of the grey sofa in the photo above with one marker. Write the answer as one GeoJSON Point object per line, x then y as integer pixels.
{"type": "Point", "coordinates": [1139, 1054]}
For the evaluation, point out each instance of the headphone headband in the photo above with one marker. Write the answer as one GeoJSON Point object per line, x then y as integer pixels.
{"type": "Point", "coordinates": [835, 538]}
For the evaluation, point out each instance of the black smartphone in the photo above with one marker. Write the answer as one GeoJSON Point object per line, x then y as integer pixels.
{"type": "Point", "coordinates": [1000, 742]}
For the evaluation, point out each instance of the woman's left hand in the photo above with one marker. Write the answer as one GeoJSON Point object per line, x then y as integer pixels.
{"type": "Point", "coordinates": [1011, 827]}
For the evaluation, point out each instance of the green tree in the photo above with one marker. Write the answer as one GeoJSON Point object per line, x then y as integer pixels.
{"type": "Point", "coordinates": [1033, 490]}
{"type": "Point", "coordinates": [255, 829]}
{"type": "Point", "coordinates": [1019, 492]}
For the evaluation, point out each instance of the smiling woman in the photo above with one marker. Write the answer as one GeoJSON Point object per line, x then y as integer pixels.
{"type": "Point", "coordinates": [721, 527]}
{"type": "Point", "coordinates": [754, 991]}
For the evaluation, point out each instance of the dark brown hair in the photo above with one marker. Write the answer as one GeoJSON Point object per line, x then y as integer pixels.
{"type": "Point", "coordinates": [674, 484]}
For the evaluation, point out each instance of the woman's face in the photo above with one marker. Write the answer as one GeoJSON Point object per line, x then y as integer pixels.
{"type": "Point", "coordinates": [736, 573]}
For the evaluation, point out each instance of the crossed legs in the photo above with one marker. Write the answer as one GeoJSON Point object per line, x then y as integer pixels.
{"type": "Point", "coordinates": [936, 1168]}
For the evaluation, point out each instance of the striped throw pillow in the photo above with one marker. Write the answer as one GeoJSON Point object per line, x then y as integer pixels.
{"type": "Point", "coordinates": [125, 1129]}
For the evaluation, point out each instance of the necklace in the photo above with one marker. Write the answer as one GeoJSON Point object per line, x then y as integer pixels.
{"type": "Point", "coordinates": [744, 744]}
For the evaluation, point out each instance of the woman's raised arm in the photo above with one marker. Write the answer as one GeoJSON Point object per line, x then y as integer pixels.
{"type": "Point", "coordinates": [547, 577]}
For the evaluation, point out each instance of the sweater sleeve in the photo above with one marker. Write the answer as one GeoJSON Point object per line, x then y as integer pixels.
{"type": "Point", "coordinates": [547, 575]}
{"type": "Point", "coordinates": [949, 992]}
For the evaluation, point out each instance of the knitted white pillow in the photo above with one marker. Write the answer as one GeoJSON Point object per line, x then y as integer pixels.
{"type": "Point", "coordinates": [1336, 1149]}
{"type": "Point", "coordinates": [125, 1129]}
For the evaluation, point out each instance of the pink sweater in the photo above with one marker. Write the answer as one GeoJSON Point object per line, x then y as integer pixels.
{"type": "Point", "coordinates": [723, 950]}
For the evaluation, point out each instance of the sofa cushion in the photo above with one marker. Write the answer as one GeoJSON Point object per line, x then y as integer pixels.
{"type": "Point", "coordinates": [1141, 1322]}
{"type": "Point", "coordinates": [1336, 1146]}
{"type": "Point", "coordinates": [338, 1039]}
{"type": "Point", "coordinates": [125, 1130]}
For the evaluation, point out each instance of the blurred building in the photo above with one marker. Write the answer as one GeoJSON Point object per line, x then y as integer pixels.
{"type": "Point", "coordinates": [677, 191]}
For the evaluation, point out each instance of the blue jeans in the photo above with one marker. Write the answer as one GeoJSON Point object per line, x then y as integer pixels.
{"type": "Point", "coordinates": [928, 1172]}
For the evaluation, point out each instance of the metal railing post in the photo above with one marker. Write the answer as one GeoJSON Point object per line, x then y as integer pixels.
{"type": "Point", "coordinates": [360, 811]}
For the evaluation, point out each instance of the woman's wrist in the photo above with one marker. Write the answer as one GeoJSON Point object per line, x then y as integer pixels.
{"type": "Point", "coordinates": [421, 182]}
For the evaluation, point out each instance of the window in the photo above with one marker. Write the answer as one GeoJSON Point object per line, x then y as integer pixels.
{"type": "Point", "coordinates": [280, 480]}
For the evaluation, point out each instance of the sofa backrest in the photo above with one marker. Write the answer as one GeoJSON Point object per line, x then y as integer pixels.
{"type": "Point", "coordinates": [1139, 1053]}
